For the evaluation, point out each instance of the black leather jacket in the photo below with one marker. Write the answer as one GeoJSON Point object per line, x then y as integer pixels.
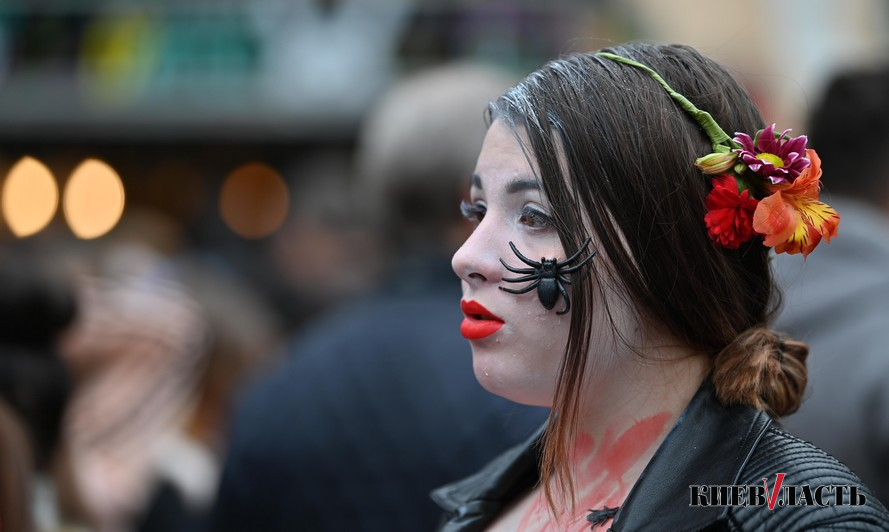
{"type": "Point", "coordinates": [709, 445]}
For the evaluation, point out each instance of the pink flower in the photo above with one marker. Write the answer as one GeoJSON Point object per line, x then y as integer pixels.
{"type": "Point", "coordinates": [780, 159]}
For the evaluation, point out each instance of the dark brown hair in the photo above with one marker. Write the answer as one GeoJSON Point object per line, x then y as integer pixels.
{"type": "Point", "coordinates": [616, 153]}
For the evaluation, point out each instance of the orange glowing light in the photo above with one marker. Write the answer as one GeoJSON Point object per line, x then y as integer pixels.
{"type": "Point", "coordinates": [30, 197]}
{"type": "Point", "coordinates": [93, 199]}
{"type": "Point", "coordinates": [254, 200]}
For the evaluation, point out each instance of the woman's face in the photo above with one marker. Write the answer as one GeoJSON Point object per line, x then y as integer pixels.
{"type": "Point", "coordinates": [517, 344]}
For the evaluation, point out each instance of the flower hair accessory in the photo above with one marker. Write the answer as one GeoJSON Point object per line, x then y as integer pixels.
{"type": "Point", "coordinates": [764, 185]}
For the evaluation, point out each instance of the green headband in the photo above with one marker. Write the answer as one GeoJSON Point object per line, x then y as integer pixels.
{"type": "Point", "coordinates": [721, 142]}
{"type": "Point", "coordinates": [766, 185]}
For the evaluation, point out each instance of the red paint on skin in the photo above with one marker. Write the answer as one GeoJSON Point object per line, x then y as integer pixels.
{"type": "Point", "coordinates": [615, 457]}
{"type": "Point", "coordinates": [632, 444]}
{"type": "Point", "coordinates": [583, 445]}
{"type": "Point", "coordinates": [599, 474]}
{"type": "Point", "coordinates": [585, 469]}
{"type": "Point", "coordinates": [533, 512]}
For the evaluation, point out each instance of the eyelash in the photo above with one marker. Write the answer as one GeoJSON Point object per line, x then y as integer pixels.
{"type": "Point", "coordinates": [535, 217]}
{"type": "Point", "coordinates": [475, 212]}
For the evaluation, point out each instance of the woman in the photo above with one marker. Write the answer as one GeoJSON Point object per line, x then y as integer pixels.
{"type": "Point", "coordinates": [618, 273]}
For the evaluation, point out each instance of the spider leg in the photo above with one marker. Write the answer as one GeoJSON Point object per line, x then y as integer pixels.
{"type": "Point", "coordinates": [531, 277]}
{"type": "Point", "coordinates": [574, 257]}
{"type": "Point", "coordinates": [567, 300]}
{"type": "Point", "coordinates": [563, 279]}
{"type": "Point", "coordinates": [517, 270]}
{"type": "Point", "coordinates": [523, 258]}
{"type": "Point", "coordinates": [524, 290]}
{"type": "Point", "coordinates": [574, 268]}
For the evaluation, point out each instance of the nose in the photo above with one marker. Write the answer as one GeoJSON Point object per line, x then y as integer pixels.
{"type": "Point", "coordinates": [478, 259]}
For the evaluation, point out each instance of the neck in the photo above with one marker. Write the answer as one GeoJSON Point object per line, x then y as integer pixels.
{"type": "Point", "coordinates": [625, 418]}
{"type": "Point", "coordinates": [622, 421]}
{"type": "Point", "coordinates": [661, 380]}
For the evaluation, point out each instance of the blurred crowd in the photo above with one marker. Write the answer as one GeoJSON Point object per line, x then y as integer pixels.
{"type": "Point", "coordinates": [367, 406]}
{"type": "Point", "coordinates": [166, 376]}
{"type": "Point", "coordinates": [118, 369]}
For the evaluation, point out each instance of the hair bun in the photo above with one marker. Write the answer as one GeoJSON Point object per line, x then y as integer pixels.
{"type": "Point", "coordinates": [763, 369]}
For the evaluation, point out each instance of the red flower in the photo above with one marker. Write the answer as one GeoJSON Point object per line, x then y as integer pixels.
{"type": "Point", "coordinates": [729, 213]}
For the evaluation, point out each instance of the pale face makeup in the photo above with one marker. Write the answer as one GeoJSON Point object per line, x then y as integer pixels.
{"type": "Point", "coordinates": [516, 343]}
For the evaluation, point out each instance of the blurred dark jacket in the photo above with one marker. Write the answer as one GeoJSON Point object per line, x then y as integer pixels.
{"type": "Point", "coordinates": [376, 405]}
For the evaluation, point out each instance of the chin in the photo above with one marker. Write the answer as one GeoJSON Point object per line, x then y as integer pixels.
{"type": "Point", "coordinates": [517, 386]}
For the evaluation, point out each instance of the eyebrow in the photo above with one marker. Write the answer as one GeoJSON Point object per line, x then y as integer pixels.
{"type": "Point", "coordinates": [516, 185]}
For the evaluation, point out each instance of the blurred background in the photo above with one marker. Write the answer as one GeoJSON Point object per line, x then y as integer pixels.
{"type": "Point", "coordinates": [225, 129]}
{"type": "Point", "coordinates": [189, 166]}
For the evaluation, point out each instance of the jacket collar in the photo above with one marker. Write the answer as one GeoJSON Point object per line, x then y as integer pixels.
{"type": "Point", "coordinates": [474, 501]}
{"type": "Point", "coordinates": [708, 445]}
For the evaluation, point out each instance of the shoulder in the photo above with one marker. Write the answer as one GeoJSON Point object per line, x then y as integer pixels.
{"type": "Point", "coordinates": [817, 491]}
{"type": "Point", "coordinates": [800, 460]}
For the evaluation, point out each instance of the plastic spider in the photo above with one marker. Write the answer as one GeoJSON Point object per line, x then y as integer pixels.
{"type": "Point", "coordinates": [548, 276]}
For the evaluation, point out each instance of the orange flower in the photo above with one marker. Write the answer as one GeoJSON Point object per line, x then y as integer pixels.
{"type": "Point", "coordinates": [791, 218]}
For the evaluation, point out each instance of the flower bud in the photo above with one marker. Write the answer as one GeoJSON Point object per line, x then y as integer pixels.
{"type": "Point", "coordinates": [716, 163]}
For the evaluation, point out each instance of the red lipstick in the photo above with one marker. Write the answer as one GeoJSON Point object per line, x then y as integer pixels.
{"type": "Point", "coordinates": [479, 322]}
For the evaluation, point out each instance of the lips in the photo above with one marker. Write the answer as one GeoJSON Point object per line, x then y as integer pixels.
{"type": "Point", "coordinates": [479, 322]}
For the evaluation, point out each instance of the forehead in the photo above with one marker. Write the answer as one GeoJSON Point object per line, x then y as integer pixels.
{"type": "Point", "coordinates": [503, 158]}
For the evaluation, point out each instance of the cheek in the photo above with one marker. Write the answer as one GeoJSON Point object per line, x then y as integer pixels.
{"type": "Point", "coordinates": [522, 364]}
{"type": "Point", "coordinates": [548, 333]}
{"type": "Point", "coordinates": [615, 336]}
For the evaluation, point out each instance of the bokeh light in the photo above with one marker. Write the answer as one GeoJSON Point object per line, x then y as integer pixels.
{"type": "Point", "coordinates": [93, 199]}
{"type": "Point", "coordinates": [254, 200]}
{"type": "Point", "coordinates": [30, 197]}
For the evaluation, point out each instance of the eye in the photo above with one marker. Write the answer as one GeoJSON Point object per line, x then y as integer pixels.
{"type": "Point", "coordinates": [535, 218]}
{"type": "Point", "coordinates": [474, 212]}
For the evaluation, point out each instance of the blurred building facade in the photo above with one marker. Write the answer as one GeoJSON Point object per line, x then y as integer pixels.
{"type": "Point", "coordinates": [180, 99]}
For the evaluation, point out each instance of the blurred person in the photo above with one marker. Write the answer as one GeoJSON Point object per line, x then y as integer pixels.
{"type": "Point", "coordinates": [137, 351]}
{"type": "Point", "coordinates": [165, 340]}
{"type": "Point", "coordinates": [321, 221]}
{"type": "Point", "coordinates": [373, 406]}
{"type": "Point", "coordinates": [838, 301]}
{"type": "Point", "coordinates": [37, 306]}
{"type": "Point", "coordinates": [243, 335]}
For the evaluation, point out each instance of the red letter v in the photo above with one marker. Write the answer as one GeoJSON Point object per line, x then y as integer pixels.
{"type": "Point", "coordinates": [773, 497]}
